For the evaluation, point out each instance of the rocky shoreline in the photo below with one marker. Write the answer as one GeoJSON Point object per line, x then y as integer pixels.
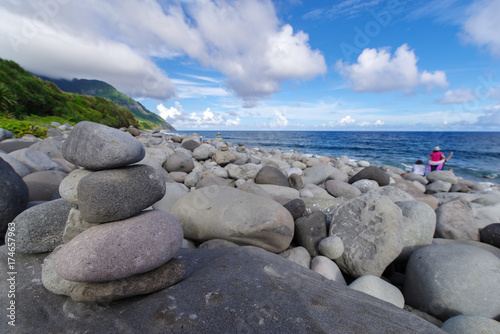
{"type": "Point", "coordinates": [127, 230]}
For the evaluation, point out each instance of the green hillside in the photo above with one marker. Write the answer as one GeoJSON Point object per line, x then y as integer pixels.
{"type": "Point", "coordinates": [27, 98]}
{"type": "Point", "coordinates": [147, 118]}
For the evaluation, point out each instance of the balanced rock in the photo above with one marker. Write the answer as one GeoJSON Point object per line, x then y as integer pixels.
{"type": "Point", "coordinates": [371, 173]}
{"type": "Point", "coordinates": [40, 228]}
{"type": "Point", "coordinates": [69, 185]}
{"type": "Point", "coordinates": [371, 228]}
{"type": "Point", "coordinates": [119, 193]}
{"type": "Point", "coordinates": [120, 249]}
{"type": "Point", "coordinates": [13, 195]}
{"type": "Point", "coordinates": [448, 280]}
{"type": "Point", "coordinates": [97, 147]}
{"type": "Point", "coordinates": [227, 213]}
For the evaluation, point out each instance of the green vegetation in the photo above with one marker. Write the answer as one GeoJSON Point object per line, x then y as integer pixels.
{"type": "Point", "coordinates": [28, 103]}
{"type": "Point", "coordinates": [146, 118]}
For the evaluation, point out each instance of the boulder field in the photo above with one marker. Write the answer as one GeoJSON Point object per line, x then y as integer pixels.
{"type": "Point", "coordinates": [121, 231]}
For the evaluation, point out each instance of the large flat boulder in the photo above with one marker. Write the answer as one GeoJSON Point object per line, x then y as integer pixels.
{"type": "Point", "coordinates": [230, 290]}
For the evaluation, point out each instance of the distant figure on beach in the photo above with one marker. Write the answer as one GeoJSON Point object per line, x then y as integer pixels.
{"type": "Point", "coordinates": [418, 168]}
{"type": "Point", "coordinates": [437, 159]}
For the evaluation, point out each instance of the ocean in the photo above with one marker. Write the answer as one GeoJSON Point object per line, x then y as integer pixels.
{"type": "Point", "coordinates": [476, 154]}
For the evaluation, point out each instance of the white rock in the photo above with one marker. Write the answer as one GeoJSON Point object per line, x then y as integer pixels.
{"type": "Point", "coordinates": [378, 288]}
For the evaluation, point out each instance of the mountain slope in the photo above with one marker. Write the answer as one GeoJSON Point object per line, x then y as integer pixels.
{"type": "Point", "coordinates": [147, 118]}
{"type": "Point", "coordinates": [24, 96]}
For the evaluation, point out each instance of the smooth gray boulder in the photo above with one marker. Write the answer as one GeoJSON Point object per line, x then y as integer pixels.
{"type": "Point", "coordinates": [271, 175]}
{"type": "Point", "coordinates": [341, 189]}
{"type": "Point", "coordinates": [372, 230]}
{"type": "Point", "coordinates": [245, 172]}
{"type": "Point", "coordinates": [365, 185]}
{"type": "Point", "coordinates": [326, 267]}
{"type": "Point", "coordinates": [13, 196]}
{"type": "Point", "coordinates": [230, 214]}
{"type": "Point", "coordinates": [44, 185]}
{"type": "Point", "coordinates": [97, 147]}
{"type": "Point", "coordinates": [455, 220]}
{"type": "Point", "coordinates": [119, 193]}
{"type": "Point", "coordinates": [299, 255]}
{"type": "Point", "coordinates": [121, 249]}
{"type": "Point", "coordinates": [332, 247]}
{"type": "Point", "coordinates": [204, 152]}
{"type": "Point", "coordinates": [378, 288]}
{"type": "Point", "coordinates": [371, 173]}
{"type": "Point", "coordinates": [468, 324]}
{"type": "Point", "coordinates": [35, 161]}
{"type": "Point", "coordinates": [442, 175]}
{"type": "Point", "coordinates": [486, 215]}
{"type": "Point", "coordinates": [280, 191]}
{"type": "Point", "coordinates": [258, 292]}
{"type": "Point", "coordinates": [173, 192]}
{"type": "Point", "coordinates": [179, 162]}
{"type": "Point", "coordinates": [40, 228]}
{"type": "Point", "coordinates": [437, 186]}
{"type": "Point", "coordinates": [18, 167]}
{"type": "Point", "coordinates": [448, 280]}
{"type": "Point", "coordinates": [50, 146]}
{"type": "Point", "coordinates": [419, 224]}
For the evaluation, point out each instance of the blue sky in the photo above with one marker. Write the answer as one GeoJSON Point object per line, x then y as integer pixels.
{"type": "Point", "coordinates": [275, 65]}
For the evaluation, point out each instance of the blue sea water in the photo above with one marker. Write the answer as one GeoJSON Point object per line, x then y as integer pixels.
{"type": "Point", "coordinates": [476, 154]}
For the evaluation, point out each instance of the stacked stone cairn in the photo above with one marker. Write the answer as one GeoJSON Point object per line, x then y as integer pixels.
{"type": "Point", "coordinates": [428, 244]}
{"type": "Point", "coordinates": [112, 247]}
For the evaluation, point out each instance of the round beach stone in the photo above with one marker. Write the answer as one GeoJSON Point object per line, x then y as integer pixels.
{"type": "Point", "coordinates": [218, 212]}
{"type": "Point", "coordinates": [245, 172]}
{"type": "Point", "coordinates": [372, 231]}
{"type": "Point", "coordinates": [341, 189]}
{"type": "Point", "coordinates": [40, 228]}
{"type": "Point", "coordinates": [18, 167]}
{"type": "Point", "coordinates": [204, 152]}
{"type": "Point", "coordinates": [327, 268]}
{"type": "Point", "coordinates": [68, 186]}
{"type": "Point", "coordinates": [371, 173]}
{"type": "Point", "coordinates": [442, 175]}
{"type": "Point", "coordinates": [271, 175]}
{"type": "Point", "coordinates": [365, 185]}
{"type": "Point", "coordinates": [190, 144]}
{"type": "Point", "coordinates": [120, 249]}
{"type": "Point", "coordinates": [468, 324]}
{"type": "Point", "coordinates": [332, 247]}
{"type": "Point", "coordinates": [35, 160]}
{"type": "Point", "coordinates": [295, 181]}
{"type": "Point", "coordinates": [44, 185]}
{"type": "Point", "coordinates": [378, 288]}
{"type": "Point", "coordinates": [455, 220]}
{"type": "Point", "coordinates": [13, 195]}
{"type": "Point", "coordinates": [179, 162]}
{"type": "Point", "coordinates": [97, 147]}
{"type": "Point", "coordinates": [299, 255]}
{"type": "Point", "coordinates": [119, 193]}
{"type": "Point", "coordinates": [309, 230]}
{"type": "Point", "coordinates": [448, 280]}
{"type": "Point", "coordinates": [491, 235]}
{"type": "Point", "coordinates": [296, 207]}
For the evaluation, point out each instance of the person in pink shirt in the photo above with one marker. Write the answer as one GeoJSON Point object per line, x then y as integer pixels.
{"type": "Point", "coordinates": [437, 159]}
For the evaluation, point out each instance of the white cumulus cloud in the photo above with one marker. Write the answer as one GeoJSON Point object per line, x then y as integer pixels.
{"type": "Point", "coordinates": [281, 121]}
{"type": "Point", "coordinates": [378, 71]}
{"type": "Point", "coordinates": [178, 117]}
{"type": "Point", "coordinates": [482, 26]}
{"type": "Point", "coordinates": [457, 96]}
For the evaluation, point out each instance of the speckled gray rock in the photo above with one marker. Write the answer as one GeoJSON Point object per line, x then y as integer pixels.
{"type": "Point", "coordinates": [40, 228]}
{"type": "Point", "coordinates": [365, 185]}
{"type": "Point", "coordinates": [204, 152]}
{"type": "Point", "coordinates": [341, 189]}
{"type": "Point", "coordinates": [378, 288]}
{"type": "Point", "coordinates": [97, 147]}
{"type": "Point", "coordinates": [245, 172]}
{"type": "Point", "coordinates": [119, 193]}
{"type": "Point", "coordinates": [36, 161]}
{"type": "Point", "coordinates": [419, 223]}
{"type": "Point", "coordinates": [372, 231]}
{"type": "Point", "coordinates": [44, 185]}
{"type": "Point", "coordinates": [105, 292]}
{"type": "Point", "coordinates": [223, 158]}
{"type": "Point", "coordinates": [179, 162]}
{"type": "Point", "coordinates": [447, 280]}
{"type": "Point", "coordinates": [371, 173]}
{"type": "Point", "coordinates": [120, 249]}
{"type": "Point", "coordinates": [456, 221]}
{"type": "Point", "coordinates": [68, 186]}
{"type": "Point", "coordinates": [262, 291]}
{"type": "Point", "coordinates": [468, 324]}
{"type": "Point", "coordinates": [395, 194]}
{"type": "Point", "coordinates": [227, 213]}
{"type": "Point", "coordinates": [18, 167]}
{"type": "Point", "coordinates": [491, 235]}
{"type": "Point", "coordinates": [310, 230]}
{"type": "Point", "coordinates": [13, 196]}
{"type": "Point", "coordinates": [75, 225]}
